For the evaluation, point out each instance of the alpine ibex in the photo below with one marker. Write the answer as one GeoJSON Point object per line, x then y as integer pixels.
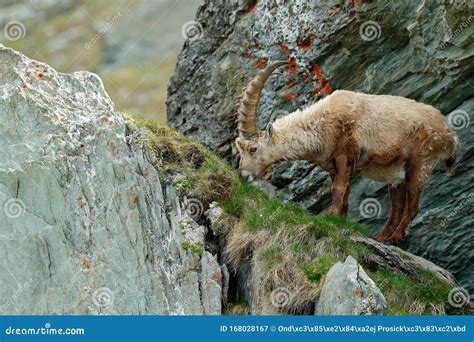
{"type": "Point", "coordinates": [385, 138]}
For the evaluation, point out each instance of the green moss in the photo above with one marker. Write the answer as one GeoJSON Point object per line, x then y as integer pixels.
{"type": "Point", "coordinates": [193, 248]}
{"type": "Point", "coordinates": [317, 268]}
{"type": "Point", "coordinates": [201, 174]}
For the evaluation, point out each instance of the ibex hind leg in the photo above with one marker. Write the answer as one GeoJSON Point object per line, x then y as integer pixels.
{"type": "Point", "coordinates": [397, 197]}
{"type": "Point", "coordinates": [415, 179]}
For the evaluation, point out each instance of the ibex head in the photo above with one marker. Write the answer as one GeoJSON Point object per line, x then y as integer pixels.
{"type": "Point", "coordinates": [255, 147]}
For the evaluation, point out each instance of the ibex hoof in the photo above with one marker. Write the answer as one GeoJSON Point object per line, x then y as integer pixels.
{"type": "Point", "coordinates": [396, 239]}
{"type": "Point", "coordinates": [380, 238]}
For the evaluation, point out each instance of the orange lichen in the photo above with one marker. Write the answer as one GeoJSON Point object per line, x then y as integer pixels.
{"type": "Point", "coordinates": [284, 49]}
{"type": "Point", "coordinates": [113, 148]}
{"type": "Point", "coordinates": [86, 263]}
{"type": "Point", "coordinates": [261, 63]}
{"type": "Point", "coordinates": [305, 44]}
{"type": "Point", "coordinates": [135, 199]}
{"type": "Point", "coordinates": [291, 83]}
{"type": "Point", "coordinates": [292, 67]}
{"type": "Point", "coordinates": [288, 96]}
{"type": "Point", "coordinates": [250, 8]}
{"type": "Point", "coordinates": [319, 73]}
{"type": "Point", "coordinates": [325, 87]}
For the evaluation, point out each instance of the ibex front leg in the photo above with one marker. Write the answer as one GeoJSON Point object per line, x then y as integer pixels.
{"type": "Point", "coordinates": [340, 184]}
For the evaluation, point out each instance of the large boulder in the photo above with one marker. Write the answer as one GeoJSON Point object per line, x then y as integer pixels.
{"type": "Point", "coordinates": [87, 224]}
{"type": "Point", "coordinates": [348, 290]}
{"type": "Point", "coordinates": [421, 50]}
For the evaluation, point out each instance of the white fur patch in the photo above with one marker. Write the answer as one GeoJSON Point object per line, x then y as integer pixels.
{"type": "Point", "coordinates": [386, 175]}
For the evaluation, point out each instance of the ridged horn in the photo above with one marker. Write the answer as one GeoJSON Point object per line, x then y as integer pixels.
{"type": "Point", "coordinates": [247, 111]}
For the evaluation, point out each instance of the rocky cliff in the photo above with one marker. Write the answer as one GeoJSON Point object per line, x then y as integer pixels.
{"type": "Point", "coordinates": [88, 225]}
{"type": "Point", "coordinates": [104, 214]}
{"type": "Point", "coordinates": [419, 49]}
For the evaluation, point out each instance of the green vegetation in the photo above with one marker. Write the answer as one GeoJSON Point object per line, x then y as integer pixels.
{"type": "Point", "coordinates": [406, 296]}
{"type": "Point", "coordinates": [193, 248]}
{"type": "Point", "coordinates": [317, 268]}
{"type": "Point", "coordinates": [293, 248]}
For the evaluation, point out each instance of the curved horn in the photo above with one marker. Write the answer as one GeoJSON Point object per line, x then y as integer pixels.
{"type": "Point", "coordinates": [247, 112]}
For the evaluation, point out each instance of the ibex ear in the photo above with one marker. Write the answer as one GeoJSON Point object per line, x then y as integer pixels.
{"type": "Point", "coordinates": [269, 131]}
{"type": "Point", "coordinates": [240, 143]}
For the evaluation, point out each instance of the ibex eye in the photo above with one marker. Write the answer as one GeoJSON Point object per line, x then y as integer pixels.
{"type": "Point", "coordinates": [252, 149]}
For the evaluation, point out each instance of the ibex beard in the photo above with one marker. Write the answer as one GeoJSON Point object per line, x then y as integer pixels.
{"type": "Point", "coordinates": [385, 138]}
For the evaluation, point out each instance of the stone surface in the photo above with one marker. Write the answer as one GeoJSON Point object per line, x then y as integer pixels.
{"type": "Point", "coordinates": [397, 259]}
{"type": "Point", "coordinates": [348, 290]}
{"type": "Point", "coordinates": [421, 50]}
{"type": "Point", "coordinates": [211, 284]}
{"type": "Point", "coordinates": [86, 225]}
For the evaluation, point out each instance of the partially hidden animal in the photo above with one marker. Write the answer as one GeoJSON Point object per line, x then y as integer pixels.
{"type": "Point", "coordinates": [385, 138]}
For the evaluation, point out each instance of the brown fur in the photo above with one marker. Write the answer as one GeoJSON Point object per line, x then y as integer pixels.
{"type": "Point", "coordinates": [385, 138]}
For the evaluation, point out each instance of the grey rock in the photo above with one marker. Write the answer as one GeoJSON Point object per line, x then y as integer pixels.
{"type": "Point", "coordinates": [348, 290]}
{"type": "Point", "coordinates": [86, 225]}
{"type": "Point", "coordinates": [214, 213]}
{"type": "Point", "coordinates": [225, 282]}
{"type": "Point", "coordinates": [260, 303]}
{"type": "Point", "coordinates": [394, 258]}
{"type": "Point", "coordinates": [420, 50]}
{"type": "Point", "coordinates": [211, 284]}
